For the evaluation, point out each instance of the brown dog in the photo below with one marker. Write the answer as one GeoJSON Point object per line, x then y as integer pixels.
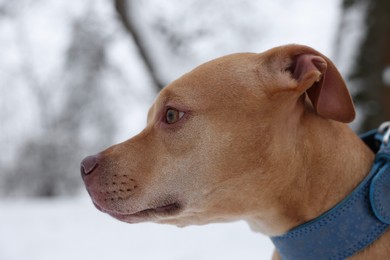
{"type": "Point", "coordinates": [258, 137]}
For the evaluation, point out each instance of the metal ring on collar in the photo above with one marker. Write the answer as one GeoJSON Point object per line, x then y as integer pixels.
{"type": "Point", "coordinates": [384, 129]}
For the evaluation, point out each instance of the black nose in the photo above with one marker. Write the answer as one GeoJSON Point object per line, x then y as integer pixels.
{"type": "Point", "coordinates": [88, 165]}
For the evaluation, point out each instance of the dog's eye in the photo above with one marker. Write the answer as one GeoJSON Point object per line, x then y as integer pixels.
{"type": "Point", "coordinates": [173, 115]}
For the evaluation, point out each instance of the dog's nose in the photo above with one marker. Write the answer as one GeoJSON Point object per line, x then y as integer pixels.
{"type": "Point", "coordinates": [88, 165]}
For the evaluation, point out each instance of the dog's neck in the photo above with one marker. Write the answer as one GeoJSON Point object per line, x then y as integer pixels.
{"type": "Point", "coordinates": [322, 169]}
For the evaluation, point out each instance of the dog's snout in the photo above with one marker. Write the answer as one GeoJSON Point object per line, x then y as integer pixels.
{"type": "Point", "coordinates": [88, 165]}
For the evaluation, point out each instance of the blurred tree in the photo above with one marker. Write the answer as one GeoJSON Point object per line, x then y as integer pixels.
{"type": "Point", "coordinates": [184, 34]}
{"type": "Point", "coordinates": [370, 74]}
{"type": "Point", "coordinates": [47, 164]}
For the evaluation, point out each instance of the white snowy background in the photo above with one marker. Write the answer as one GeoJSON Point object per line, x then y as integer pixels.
{"type": "Point", "coordinates": [70, 227]}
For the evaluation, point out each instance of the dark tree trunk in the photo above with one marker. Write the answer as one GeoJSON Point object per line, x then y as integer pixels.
{"type": "Point", "coordinates": [372, 61]}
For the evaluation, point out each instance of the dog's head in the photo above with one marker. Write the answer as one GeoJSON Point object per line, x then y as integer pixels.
{"type": "Point", "coordinates": [214, 148]}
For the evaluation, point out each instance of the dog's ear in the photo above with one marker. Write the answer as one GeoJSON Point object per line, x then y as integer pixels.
{"type": "Point", "coordinates": [316, 75]}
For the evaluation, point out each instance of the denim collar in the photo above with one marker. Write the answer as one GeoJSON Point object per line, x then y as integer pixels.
{"type": "Point", "coordinates": [354, 223]}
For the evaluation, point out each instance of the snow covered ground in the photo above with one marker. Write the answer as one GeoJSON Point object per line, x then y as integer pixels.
{"type": "Point", "coordinates": [67, 229]}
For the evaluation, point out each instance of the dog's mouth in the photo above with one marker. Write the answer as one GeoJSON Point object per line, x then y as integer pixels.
{"type": "Point", "coordinates": [148, 214]}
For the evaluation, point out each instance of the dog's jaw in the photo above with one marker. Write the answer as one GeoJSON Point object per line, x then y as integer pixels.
{"type": "Point", "coordinates": [150, 214]}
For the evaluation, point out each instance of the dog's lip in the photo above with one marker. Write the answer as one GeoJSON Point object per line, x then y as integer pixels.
{"type": "Point", "coordinates": [145, 214]}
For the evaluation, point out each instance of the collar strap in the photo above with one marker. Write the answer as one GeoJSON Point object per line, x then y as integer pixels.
{"type": "Point", "coordinates": [354, 223]}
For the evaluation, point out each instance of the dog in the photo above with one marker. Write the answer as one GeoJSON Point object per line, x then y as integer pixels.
{"type": "Point", "coordinates": [255, 137]}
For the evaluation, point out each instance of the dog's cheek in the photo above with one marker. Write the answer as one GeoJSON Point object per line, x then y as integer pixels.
{"type": "Point", "coordinates": [241, 149]}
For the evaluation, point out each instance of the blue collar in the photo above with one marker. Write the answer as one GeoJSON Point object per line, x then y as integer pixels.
{"type": "Point", "coordinates": [353, 224]}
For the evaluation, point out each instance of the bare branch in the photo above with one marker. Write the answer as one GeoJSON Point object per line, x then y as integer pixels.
{"type": "Point", "coordinates": [121, 7]}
